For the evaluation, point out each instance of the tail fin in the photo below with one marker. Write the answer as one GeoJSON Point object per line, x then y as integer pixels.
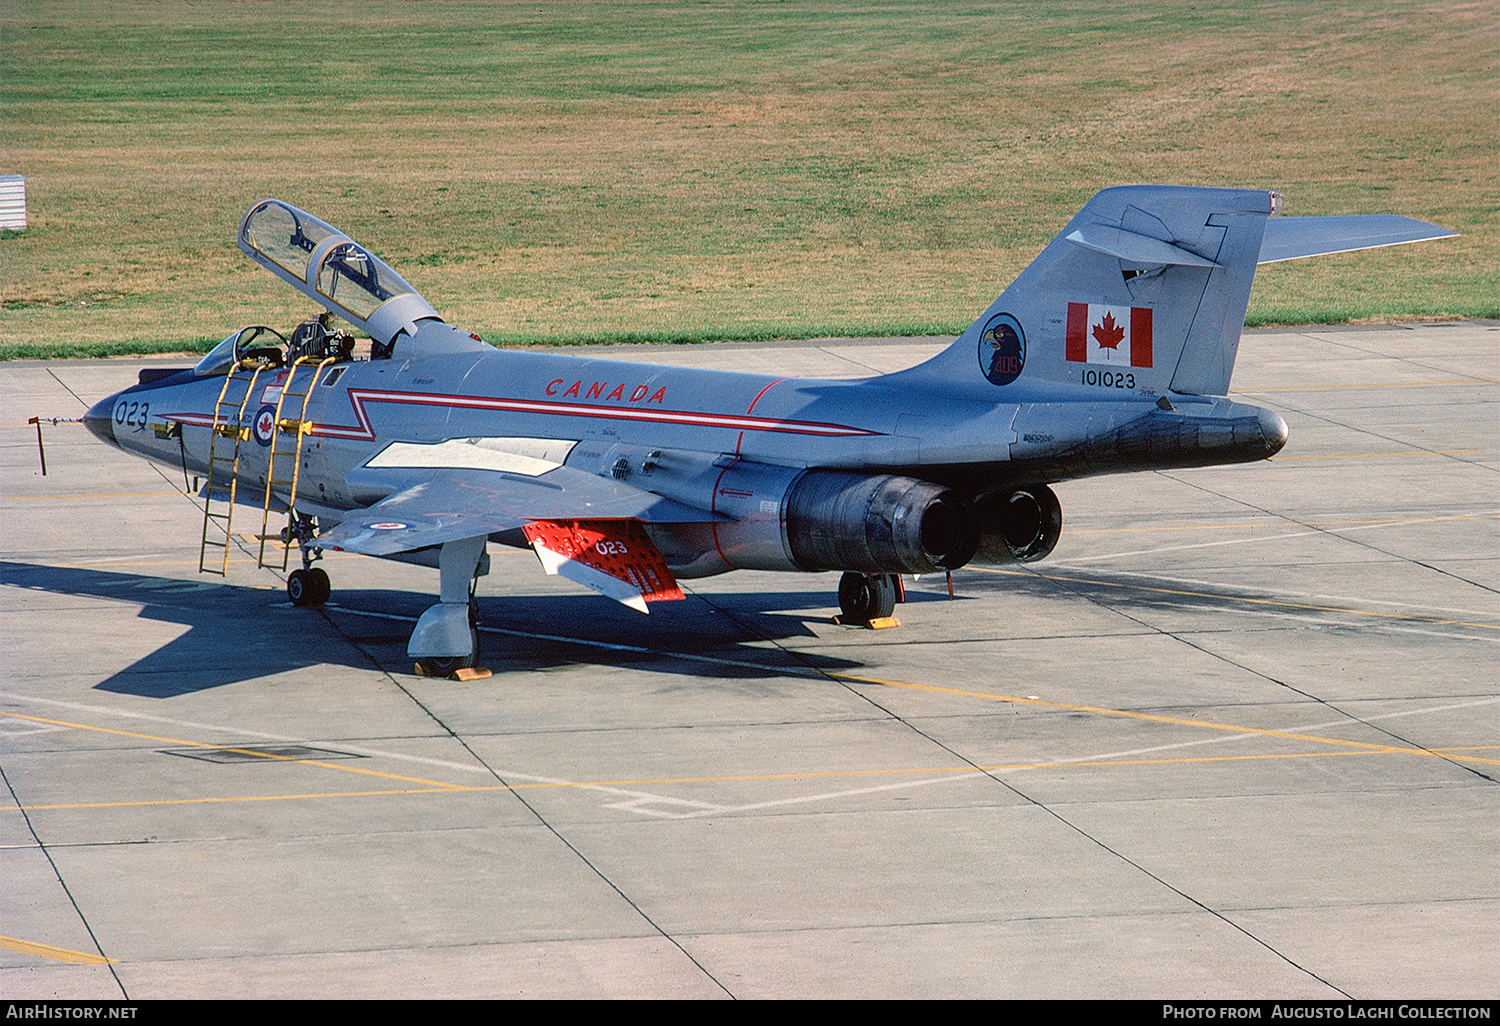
{"type": "Point", "coordinates": [1145, 291]}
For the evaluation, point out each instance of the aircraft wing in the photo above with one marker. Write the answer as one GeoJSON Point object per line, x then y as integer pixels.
{"type": "Point", "coordinates": [582, 526]}
{"type": "Point", "coordinates": [431, 506]}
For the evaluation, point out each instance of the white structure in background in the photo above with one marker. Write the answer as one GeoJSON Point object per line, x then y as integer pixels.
{"type": "Point", "coordinates": [12, 201]}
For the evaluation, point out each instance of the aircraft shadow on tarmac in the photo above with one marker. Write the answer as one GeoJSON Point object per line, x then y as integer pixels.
{"type": "Point", "coordinates": [1161, 594]}
{"type": "Point", "coordinates": [1122, 591]}
{"type": "Point", "coordinates": [240, 632]}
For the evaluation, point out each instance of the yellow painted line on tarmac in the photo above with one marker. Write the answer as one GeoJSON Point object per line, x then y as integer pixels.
{"type": "Point", "coordinates": [1279, 522]}
{"type": "Point", "coordinates": [1280, 603]}
{"type": "Point", "coordinates": [1007, 767]}
{"type": "Point", "coordinates": [1370, 455]}
{"type": "Point", "coordinates": [91, 495]}
{"type": "Point", "coordinates": [26, 947]}
{"type": "Point", "coordinates": [1182, 721]}
{"type": "Point", "coordinates": [107, 564]}
{"type": "Point", "coordinates": [305, 796]}
{"type": "Point", "coordinates": [270, 756]}
{"type": "Point", "coordinates": [1339, 748]}
{"type": "Point", "coordinates": [765, 777]}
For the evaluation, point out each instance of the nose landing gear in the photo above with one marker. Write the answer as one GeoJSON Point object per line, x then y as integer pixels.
{"type": "Point", "coordinates": [309, 587]}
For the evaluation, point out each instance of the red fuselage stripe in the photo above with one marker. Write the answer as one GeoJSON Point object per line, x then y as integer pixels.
{"type": "Point", "coordinates": [365, 431]}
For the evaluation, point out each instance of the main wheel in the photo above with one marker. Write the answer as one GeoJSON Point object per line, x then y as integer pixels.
{"type": "Point", "coordinates": [308, 587]}
{"type": "Point", "coordinates": [443, 666]}
{"type": "Point", "coordinates": [867, 596]}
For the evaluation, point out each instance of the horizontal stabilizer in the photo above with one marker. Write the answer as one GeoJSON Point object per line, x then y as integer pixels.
{"type": "Point", "coordinates": [1290, 238]}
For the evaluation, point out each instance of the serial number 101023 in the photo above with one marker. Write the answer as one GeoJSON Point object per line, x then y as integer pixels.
{"type": "Point", "coordinates": [1109, 379]}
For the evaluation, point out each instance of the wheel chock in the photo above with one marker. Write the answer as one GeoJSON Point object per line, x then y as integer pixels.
{"type": "Point", "coordinates": [879, 623]}
{"type": "Point", "coordinates": [467, 673]}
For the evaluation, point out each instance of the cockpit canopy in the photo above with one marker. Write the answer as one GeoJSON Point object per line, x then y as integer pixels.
{"type": "Point", "coordinates": [333, 270]}
{"type": "Point", "coordinates": [247, 343]}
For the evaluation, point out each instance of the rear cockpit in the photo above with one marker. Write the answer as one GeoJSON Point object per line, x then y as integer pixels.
{"type": "Point", "coordinates": [345, 279]}
{"type": "Point", "coordinates": [333, 270]}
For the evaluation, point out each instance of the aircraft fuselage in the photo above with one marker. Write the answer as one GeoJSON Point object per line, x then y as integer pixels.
{"type": "Point", "coordinates": [673, 430]}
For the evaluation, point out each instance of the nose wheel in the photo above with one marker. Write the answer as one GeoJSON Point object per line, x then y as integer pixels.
{"type": "Point", "coordinates": [308, 587]}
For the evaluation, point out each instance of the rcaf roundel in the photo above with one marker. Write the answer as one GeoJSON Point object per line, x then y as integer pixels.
{"type": "Point", "coordinates": [1099, 333]}
{"type": "Point", "coordinates": [265, 424]}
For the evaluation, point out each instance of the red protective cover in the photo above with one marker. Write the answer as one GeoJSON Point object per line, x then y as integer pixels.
{"type": "Point", "coordinates": [619, 548]}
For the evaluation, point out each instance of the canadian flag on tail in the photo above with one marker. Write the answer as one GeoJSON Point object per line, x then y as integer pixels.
{"type": "Point", "coordinates": [1120, 335]}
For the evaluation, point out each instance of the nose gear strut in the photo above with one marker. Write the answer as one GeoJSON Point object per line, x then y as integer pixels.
{"type": "Point", "coordinates": [308, 586]}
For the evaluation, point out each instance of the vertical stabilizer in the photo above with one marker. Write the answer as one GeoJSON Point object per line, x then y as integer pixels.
{"type": "Point", "coordinates": [1144, 292]}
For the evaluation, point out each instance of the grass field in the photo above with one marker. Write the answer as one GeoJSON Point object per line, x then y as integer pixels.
{"type": "Point", "coordinates": [681, 171]}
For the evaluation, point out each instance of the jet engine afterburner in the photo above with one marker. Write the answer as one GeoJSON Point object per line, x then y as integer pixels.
{"type": "Point", "coordinates": [788, 518]}
{"type": "Point", "coordinates": [837, 520]}
{"type": "Point", "coordinates": [1018, 525]}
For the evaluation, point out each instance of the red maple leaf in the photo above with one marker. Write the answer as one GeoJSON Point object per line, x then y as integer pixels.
{"type": "Point", "coordinates": [1108, 334]}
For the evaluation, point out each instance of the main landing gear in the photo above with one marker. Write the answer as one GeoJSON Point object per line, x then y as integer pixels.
{"type": "Point", "coordinates": [446, 639]}
{"type": "Point", "coordinates": [866, 599]}
{"type": "Point", "coordinates": [447, 666]}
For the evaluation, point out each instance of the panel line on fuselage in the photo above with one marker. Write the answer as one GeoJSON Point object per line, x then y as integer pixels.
{"type": "Point", "coordinates": [751, 409]}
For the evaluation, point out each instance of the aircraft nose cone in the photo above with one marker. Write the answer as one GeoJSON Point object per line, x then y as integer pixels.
{"type": "Point", "coordinates": [100, 420]}
{"type": "Point", "coordinates": [1273, 430]}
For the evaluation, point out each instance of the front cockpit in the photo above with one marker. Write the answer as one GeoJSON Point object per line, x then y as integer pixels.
{"type": "Point", "coordinates": [256, 342]}
{"type": "Point", "coordinates": [269, 348]}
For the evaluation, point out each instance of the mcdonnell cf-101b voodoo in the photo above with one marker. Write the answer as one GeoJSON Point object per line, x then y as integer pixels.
{"type": "Point", "coordinates": [1111, 352]}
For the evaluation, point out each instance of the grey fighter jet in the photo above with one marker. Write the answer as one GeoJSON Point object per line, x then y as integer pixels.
{"type": "Point", "coordinates": [1111, 352]}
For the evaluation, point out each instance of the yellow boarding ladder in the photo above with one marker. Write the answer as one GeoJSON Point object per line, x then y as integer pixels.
{"type": "Point", "coordinates": [224, 459]}
{"type": "Point", "coordinates": [286, 443]}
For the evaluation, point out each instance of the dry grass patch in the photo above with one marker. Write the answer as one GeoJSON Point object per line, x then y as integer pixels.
{"type": "Point", "coordinates": [710, 170]}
